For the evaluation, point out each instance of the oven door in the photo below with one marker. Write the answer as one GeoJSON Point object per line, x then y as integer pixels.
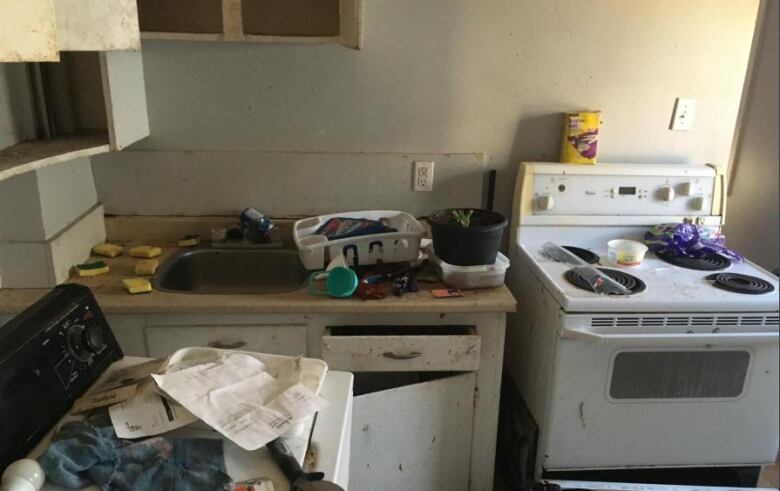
{"type": "Point", "coordinates": [662, 396]}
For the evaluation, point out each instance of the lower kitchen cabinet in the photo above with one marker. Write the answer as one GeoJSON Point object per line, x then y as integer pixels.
{"type": "Point", "coordinates": [427, 386]}
{"type": "Point", "coordinates": [413, 437]}
{"type": "Point", "coordinates": [413, 407]}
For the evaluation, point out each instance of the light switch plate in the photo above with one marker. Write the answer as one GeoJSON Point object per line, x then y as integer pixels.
{"type": "Point", "coordinates": [683, 114]}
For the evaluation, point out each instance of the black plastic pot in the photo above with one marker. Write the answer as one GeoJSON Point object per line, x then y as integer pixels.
{"type": "Point", "coordinates": [475, 245]}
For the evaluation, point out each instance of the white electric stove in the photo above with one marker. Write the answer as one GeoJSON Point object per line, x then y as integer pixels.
{"type": "Point", "coordinates": [681, 373]}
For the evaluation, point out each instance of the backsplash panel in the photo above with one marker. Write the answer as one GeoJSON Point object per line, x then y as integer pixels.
{"type": "Point", "coordinates": [280, 183]}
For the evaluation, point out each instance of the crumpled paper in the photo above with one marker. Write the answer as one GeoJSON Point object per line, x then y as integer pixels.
{"type": "Point", "coordinates": [237, 396]}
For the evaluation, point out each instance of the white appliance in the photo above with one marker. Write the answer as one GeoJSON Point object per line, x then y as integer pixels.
{"type": "Point", "coordinates": [323, 446]}
{"type": "Point", "coordinates": [682, 373]}
{"type": "Point", "coordinates": [620, 486]}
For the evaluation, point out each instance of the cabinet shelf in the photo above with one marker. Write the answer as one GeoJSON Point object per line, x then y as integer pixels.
{"type": "Point", "coordinates": [37, 154]}
{"type": "Point", "coordinates": [255, 21]}
{"type": "Point", "coordinates": [90, 102]}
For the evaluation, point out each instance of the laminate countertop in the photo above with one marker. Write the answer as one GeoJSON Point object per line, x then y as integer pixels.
{"type": "Point", "coordinates": [113, 298]}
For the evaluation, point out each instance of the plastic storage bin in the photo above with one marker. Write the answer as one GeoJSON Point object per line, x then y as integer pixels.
{"type": "Point", "coordinates": [469, 277]}
{"type": "Point", "coordinates": [316, 250]}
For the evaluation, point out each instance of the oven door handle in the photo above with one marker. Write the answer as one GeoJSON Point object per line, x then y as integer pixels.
{"type": "Point", "coordinates": [678, 339]}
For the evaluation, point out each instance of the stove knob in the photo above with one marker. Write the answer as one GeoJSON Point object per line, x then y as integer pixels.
{"type": "Point", "coordinates": [545, 202]}
{"type": "Point", "coordinates": [697, 203]}
{"type": "Point", "coordinates": [93, 337]}
{"type": "Point", "coordinates": [686, 189]}
{"type": "Point", "coordinates": [666, 193]}
{"type": "Point", "coordinates": [76, 345]}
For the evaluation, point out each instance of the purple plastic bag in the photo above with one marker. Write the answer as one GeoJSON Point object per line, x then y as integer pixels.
{"type": "Point", "coordinates": [688, 240]}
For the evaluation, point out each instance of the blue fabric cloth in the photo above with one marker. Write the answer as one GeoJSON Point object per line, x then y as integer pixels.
{"type": "Point", "coordinates": [82, 454]}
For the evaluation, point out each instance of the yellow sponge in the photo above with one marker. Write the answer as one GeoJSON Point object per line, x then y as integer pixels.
{"type": "Point", "coordinates": [91, 269]}
{"type": "Point", "coordinates": [145, 251]}
{"type": "Point", "coordinates": [146, 266]}
{"type": "Point", "coordinates": [137, 285]}
{"type": "Point", "coordinates": [189, 240]}
{"type": "Point", "coordinates": [108, 250]}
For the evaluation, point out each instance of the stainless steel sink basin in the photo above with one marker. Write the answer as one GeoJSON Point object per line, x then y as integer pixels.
{"type": "Point", "coordinates": [216, 271]}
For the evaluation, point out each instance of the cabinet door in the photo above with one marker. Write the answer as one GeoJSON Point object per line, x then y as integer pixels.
{"type": "Point", "coordinates": [37, 30]}
{"type": "Point", "coordinates": [28, 31]}
{"type": "Point", "coordinates": [413, 438]}
{"type": "Point", "coordinates": [277, 340]}
{"type": "Point", "coordinates": [97, 25]}
{"type": "Point", "coordinates": [124, 93]}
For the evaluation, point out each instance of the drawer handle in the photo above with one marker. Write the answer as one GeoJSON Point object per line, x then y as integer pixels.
{"type": "Point", "coordinates": [221, 345]}
{"type": "Point", "coordinates": [408, 356]}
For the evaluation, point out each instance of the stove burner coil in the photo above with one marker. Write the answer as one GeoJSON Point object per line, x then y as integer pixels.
{"type": "Point", "coordinates": [741, 283]}
{"type": "Point", "coordinates": [710, 262]}
{"type": "Point", "coordinates": [632, 283]}
{"type": "Point", "coordinates": [584, 254]}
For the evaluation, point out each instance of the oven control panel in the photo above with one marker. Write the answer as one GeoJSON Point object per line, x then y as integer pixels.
{"type": "Point", "coordinates": [50, 354]}
{"type": "Point", "coordinates": [566, 194]}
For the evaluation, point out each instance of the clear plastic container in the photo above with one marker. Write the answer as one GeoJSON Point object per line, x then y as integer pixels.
{"type": "Point", "coordinates": [470, 277]}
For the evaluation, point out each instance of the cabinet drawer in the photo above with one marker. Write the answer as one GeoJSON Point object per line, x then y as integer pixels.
{"type": "Point", "coordinates": [278, 340]}
{"type": "Point", "coordinates": [401, 352]}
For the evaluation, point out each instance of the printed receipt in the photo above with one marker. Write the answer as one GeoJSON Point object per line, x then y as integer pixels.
{"type": "Point", "coordinates": [148, 413]}
{"type": "Point", "coordinates": [237, 396]}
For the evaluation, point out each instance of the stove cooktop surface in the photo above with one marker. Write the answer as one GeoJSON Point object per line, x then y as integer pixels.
{"type": "Point", "coordinates": [630, 282]}
{"type": "Point", "coordinates": [668, 288]}
{"type": "Point", "coordinates": [741, 283]}
{"type": "Point", "coordinates": [709, 262]}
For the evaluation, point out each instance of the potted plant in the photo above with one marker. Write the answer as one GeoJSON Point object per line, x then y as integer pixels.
{"type": "Point", "coordinates": [467, 236]}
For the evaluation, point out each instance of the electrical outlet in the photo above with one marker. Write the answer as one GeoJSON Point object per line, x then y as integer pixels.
{"type": "Point", "coordinates": [422, 180]}
{"type": "Point", "coordinates": [683, 114]}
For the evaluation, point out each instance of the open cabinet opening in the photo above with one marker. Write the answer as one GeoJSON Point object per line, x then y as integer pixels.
{"type": "Point", "coordinates": [291, 17]}
{"type": "Point", "coordinates": [73, 96]}
{"type": "Point", "coordinates": [85, 104]}
{"type": "Point", "coordinates": [371, 382]}
{"type": "Point", "coordinates": [183, 16]}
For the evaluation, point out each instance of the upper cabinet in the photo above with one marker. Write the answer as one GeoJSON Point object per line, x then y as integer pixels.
{"type": "Point", "coordinates": [81, 93]}
{"type": "Point", "coordinates": [38, 30]}
{"type": "Point", "coordinates": [265, 21]}
{"type": "Point", "coordinates": [85, 104]}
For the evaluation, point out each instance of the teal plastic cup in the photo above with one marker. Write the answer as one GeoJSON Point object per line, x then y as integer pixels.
{"type": "Point", "coordinates": [341, 282]}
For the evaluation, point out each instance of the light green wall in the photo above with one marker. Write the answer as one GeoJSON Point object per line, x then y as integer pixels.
{"type": "Point", "coordinates": [459, 76]}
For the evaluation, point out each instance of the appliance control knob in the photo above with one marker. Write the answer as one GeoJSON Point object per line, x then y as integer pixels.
{"type": "Point", "coordinates": [76, 343]}
{"type": "Point", "coordinates": [615, 192]}
{"type": "Point", "coordinates": [697, 203]}
{"type": "Point", "coordinates": [545, 202]}
{"type": "Point", "coordinates": [666, 193]}
{"type": "Point", "coordinates": [686, 189]}
{"type": "Point", "coordinates": [93, 338]}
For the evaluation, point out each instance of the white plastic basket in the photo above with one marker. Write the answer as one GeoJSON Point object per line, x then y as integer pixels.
{"type": "Point", "coordinates": [316, 250]}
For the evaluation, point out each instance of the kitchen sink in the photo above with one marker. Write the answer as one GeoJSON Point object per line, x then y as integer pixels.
{"type": "Point", "coordinates": [218, 271]}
